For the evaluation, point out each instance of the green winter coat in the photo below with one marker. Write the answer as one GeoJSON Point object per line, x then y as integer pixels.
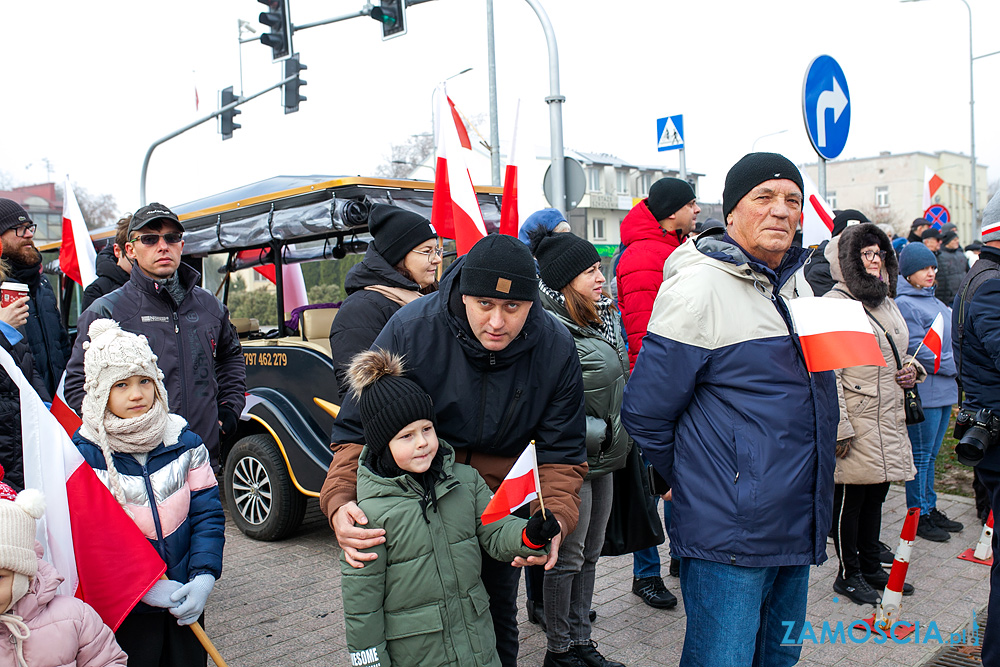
{"type": "Point", "coordinates": [605, 371]}
{"type": "Point", "coordinates": [422, 601]}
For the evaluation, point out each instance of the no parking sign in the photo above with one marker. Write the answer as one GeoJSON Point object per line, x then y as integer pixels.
{"type": "Point", "coordinates": [937, 215]}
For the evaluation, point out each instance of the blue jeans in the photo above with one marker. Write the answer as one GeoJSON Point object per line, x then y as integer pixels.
{"type": "Point", "coordinates": [735, 614]}
{"type": "Point", "coordinates": [646, 563]}
{"type": "Point", "coordinates": [926, 438]}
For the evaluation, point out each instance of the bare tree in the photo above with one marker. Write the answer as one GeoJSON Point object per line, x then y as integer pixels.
{"type": "Point", "coordinates": [404, 158]}
{"type": "Point", "coordinates": [7, 181]}
{"type": "Point", "coordinates": [99, 210]}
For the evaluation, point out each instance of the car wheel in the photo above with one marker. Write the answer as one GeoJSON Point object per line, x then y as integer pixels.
{"type": "Point", "coordinates": [262, 500]}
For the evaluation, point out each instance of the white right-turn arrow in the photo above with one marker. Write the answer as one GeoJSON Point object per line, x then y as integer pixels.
{"type": "Point", "coordinates": [829, 99]}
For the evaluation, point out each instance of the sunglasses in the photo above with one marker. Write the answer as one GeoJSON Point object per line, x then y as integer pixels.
{"type": "Point", "coordinates": [152, 239]}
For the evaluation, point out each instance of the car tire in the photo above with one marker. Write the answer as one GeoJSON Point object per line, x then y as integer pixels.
{"type": "Point", "coordinates": [262, 500]}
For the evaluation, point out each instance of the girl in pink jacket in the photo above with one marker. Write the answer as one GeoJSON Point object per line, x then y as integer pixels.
{"type": "Point", "coordinates": [42, 629]}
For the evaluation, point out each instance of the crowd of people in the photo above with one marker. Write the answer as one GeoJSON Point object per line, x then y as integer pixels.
{"type": "Point", "coordinates": [684, 369]}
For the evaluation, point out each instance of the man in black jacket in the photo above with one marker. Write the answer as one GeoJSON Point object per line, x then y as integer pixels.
{"type": "Point", "coordinates": [501, 372]}
{"type": "Point", "coordinates": [113, 266]}
{"type": "Point", "coordinates": [44, 330]}
{"type": "Point", "coordinates": [187, 328]}
{"type": "Point", "coordinates": [817, 270]}
{"type": "Point", "coordinates": [952, 267]}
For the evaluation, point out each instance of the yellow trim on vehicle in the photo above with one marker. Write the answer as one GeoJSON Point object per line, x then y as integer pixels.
{"type": "Point", "coordinates": [281, 448]}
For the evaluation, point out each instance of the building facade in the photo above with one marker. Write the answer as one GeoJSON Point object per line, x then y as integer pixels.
{"type": "Point", "coordinates": [44, 205]}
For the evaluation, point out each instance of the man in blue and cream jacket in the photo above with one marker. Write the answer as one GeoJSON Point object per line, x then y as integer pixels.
{"type": "Point", "coordinates": [722, 405]}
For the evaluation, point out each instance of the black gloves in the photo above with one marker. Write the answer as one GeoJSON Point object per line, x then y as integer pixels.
{"type": "Point", "coordinates": [540, 529]}
{"type": "Point", "coordinates": [229, 419]}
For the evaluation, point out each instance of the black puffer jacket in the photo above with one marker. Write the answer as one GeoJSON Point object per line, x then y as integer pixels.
{"type": "Point", "coordinates": [364, 312]}
{"type": "Point", "coordinates": [110, 277]}
{"type": "Point", "coordinates": [195, 343]}
{"type": "Point", "coordinates": [10, 410]}
{"type": "Point", "coordinates": [817, 271]}
{"type": "Point", "coordinates": [952, 267]}
{"type": "Point", "coordinates": [44, 331]}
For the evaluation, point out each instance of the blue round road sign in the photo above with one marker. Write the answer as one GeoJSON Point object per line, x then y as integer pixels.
{"type": "Point", "coordinates": [826, 106]}
{"type": "Point", "coordinates": [937, 215]}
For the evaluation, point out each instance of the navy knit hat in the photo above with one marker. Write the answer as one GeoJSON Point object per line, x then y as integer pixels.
{"type": "Point", "coordinates": [752, 170]}
{"type": "Point", "coordinates": [914, 257]}
{"type": "Point", "coordinates": [12, 215]}
{"type": "Point", "coordinates": [499, 267]}
{"type": "Point", "coordinates": [397, 231]}
{"type": "Point", "coordinates": [667, 196]}
{"type": "Point", "coordinates": [562, 257]}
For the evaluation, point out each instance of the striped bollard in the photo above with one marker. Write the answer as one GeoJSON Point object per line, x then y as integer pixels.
{"type": "Point", "coordinates": [891, 607]}
{"type": "Point", "coordinates": [983, 553]}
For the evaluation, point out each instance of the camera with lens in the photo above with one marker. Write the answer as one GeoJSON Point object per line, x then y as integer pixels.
{"type": "Point", "coordinates": [975, 433]}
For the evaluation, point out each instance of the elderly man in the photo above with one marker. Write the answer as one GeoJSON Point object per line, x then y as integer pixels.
{"type": "Point", "coordinates": [501, 372]}
{"type": "Point", "coordinates": [723, 406]}
{"type": "Point", "coordinates": [187, 327]}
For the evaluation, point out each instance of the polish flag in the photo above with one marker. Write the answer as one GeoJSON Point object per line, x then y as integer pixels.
{"type": "Point", "coordinates": [931, 184]}
{"type": "Point", "coordinates": [932, 341]}
{"type": "Point", "coordinates": [77, 258]}
{"type": "Point", "coordinates": [834, 333]}
{"type": "Point", "coordinates": [65, 415]}
{"type": "Point", "coordinates": [102, 555]}
{"type": "Point", "coordinates": [510, 220]}
{"type": "Point", "coordinates": [817, 216]}
{"type": "Point", "coordinates": [517, 489]}
{"type": "Point", "coordinates": [291, 275]}
{"type": "Point", "coordinates": [455, 212]}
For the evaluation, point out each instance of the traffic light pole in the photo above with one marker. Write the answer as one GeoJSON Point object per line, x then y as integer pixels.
{"type": "Point", "coordinates": [204, 119]}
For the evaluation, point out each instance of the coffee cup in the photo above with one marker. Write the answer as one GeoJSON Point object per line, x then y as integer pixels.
{"type": "Point", "coordinates": [11, 292]}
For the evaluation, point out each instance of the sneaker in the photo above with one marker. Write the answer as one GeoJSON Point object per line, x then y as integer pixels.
{"type": "Point", "coordinates": [675, 567]}
{"type": "Point", "coordinates": [654, 593]}
{"type": "Point", "coordinates": [857, 589]}
{"type": "Point", "coordinates": [927, 529]}
{"type": "Point", "coordinates": [589, 656]}
{"type": "Point", "coordinates": [941, 520]}
{"type": "Point", "coordinates": [885, 554]}
{"type": "Point", "coordinates": [879, 579]}
{"type": "Point", "coordinates": [567, 659]}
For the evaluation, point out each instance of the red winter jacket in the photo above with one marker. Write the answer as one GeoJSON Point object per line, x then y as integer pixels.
{"type": "Point", "coordinates": [640, 271]}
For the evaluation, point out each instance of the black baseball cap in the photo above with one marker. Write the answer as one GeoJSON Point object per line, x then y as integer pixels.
{"type": "Point", "coordinates": [149, 213]}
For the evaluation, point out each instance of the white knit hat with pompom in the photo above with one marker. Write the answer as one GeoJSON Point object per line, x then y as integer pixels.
{"type": "Point", "coordinates": [17, 531]}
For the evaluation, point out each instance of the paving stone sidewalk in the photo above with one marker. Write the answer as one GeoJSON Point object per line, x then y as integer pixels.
{"type": "Point", "coordinates": [278, 603]}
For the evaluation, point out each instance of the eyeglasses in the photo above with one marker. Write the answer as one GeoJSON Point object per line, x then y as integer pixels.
{"type": "Point", "coordinates": [152, 239]}
{"type": "Point", "coordinates": [430, 254]}
{"type": "Point", "coordinates": [25, 229]}
{"type": "Point", "coordinates": [869, 255]}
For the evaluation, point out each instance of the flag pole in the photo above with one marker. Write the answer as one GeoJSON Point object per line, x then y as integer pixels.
{"type": "Point", "coordinates": [538, 484]}
{"type": "Point", "coordinates": [205, 642]}
{"type": "Point", "coordinates": [914, 357]}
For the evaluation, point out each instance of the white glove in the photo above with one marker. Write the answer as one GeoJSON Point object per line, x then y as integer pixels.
{"type": "Point", "coordinates": [192, 597]}
{"type": "Point", "coordinates": [159, 594]}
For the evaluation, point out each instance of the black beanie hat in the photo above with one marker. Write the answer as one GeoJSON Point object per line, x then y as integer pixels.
{"type": "Point", "coordinates": [397, 231]}
{"type": "Point", "coordinates": [562, 257]}
{"type": "Point", "coordinates": [752, 170]}
{"type": "Point", "coordinates": [499, 267]}
{"type": "Point", "coordinates": [841, 220]}
{"type": "Point", "coordinates": [387, 401]}
{"type": "Point", "coordinates": [667, 196]}
{"type": "Point", "coordinates": [12, 215]}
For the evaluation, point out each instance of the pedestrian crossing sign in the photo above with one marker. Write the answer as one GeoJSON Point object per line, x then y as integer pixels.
{"type": "Point", "coordinates": [669, 133]}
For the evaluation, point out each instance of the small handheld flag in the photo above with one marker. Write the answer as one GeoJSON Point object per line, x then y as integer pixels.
{"type": "Point", "coordinates": [517, 489]}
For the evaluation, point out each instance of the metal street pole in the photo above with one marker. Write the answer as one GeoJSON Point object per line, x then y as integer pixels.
{"type": "Point", "coordinates": [554, 100]}
{"type": "Point", "coordinates": [972, 128]}
{"type": "Point", "coordinates": [494, 122]}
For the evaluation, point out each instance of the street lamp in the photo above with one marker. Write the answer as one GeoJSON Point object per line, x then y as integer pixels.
{"type": "Point", "coordinates": [753, 148]}
{"type": "Point", "coordinates": [972, 121]}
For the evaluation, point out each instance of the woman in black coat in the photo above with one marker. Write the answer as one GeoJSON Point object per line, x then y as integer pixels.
{"type": "Point", "coordinates": [400, 266]}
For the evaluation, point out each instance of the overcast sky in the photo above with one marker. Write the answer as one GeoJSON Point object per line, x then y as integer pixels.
{"type": "Point", "coordinates": [90, 86]}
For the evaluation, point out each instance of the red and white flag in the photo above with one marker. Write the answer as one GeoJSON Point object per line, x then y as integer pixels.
{"type": "Point", "coordinates": [931, 184]}
{"type": "Point", "coordinates": [510, 219]}
{"type": "Point", "coordinates": [932, 341]}
{"type": "Point", "coordinates": [817, 216]}
{"type": "Point", "coordinates": [835, 333]}
{"type": "Point", "coordinates": [517, 489]}
{"type": "Point", "coordinates": [77, 258]}
{"type": "Point", "coordinates": [455, 212]}
{"type": "Point", "coordinates": [65, 415]}
{"type": "Point", "coordinates": [102, 555]}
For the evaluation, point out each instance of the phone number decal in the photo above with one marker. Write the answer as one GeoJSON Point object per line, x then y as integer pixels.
{"type": "Point", "coordinates": [266, 358]}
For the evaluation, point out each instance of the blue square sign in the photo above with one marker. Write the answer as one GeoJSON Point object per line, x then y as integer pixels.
{"type": "Point", "coordinates": [669, 133]}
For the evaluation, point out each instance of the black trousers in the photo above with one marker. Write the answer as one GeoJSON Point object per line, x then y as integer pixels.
{"type": "Point", "coordinates": [155, 640]}
{"type": "Point", "coordinates": [991, 639]}
{"type": "Point", "coordinates": [501, 580]}
{"type": "Point", "coordinates": [857, 522]}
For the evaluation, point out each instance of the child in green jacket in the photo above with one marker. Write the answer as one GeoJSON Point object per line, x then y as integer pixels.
{"type": "Point", "coordinates": [421, 602]}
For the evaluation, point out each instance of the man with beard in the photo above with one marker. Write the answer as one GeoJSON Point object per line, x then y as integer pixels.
{"type": "Point", "coordinates": [44, 331]}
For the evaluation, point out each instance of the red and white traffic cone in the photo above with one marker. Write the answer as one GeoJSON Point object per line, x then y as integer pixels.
{"type": "Point", "coordinates": [891, 608]}
{"type": "Point", "coordinates": [983, 553]}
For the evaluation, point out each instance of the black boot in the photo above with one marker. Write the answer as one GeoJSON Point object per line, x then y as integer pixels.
{"type": "Point", "coordinates": [941, 520]}
{"type": "Point", "coordinates": [675, 567]}
{"type": "Point", "coordinates": [885, 554]}
{"type": "Point", "coordinates": [589, 655]}
{"type": "Point", "coordinates": [857, 589]}
{"type": "Point", "coordinates": [654, 593]}
{"type": "Point", "coordinates": [927, 529]}
{"type": "Point", "coordinates": [879, 579]}
{"type": "Point", "coordinates": [536, 614]}
{"type": "Point", "coordinates": [567, 659]}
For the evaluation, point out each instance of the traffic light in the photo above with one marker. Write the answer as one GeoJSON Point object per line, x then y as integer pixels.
{"type": "Point", "coordinates": [227, 121]}
{"type": "Point", "coordinates": [392, 15]}
{"type": "Point", "coordinates": [280, 22]}
{"type": "Point", "coordinates": [290, 93]}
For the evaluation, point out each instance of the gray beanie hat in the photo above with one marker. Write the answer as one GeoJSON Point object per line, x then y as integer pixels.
{"type": "Point", "coordinates": [991, 220]}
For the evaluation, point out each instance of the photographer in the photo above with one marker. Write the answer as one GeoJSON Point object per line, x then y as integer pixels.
{"type": "Point", "coordinates": [976, 343]}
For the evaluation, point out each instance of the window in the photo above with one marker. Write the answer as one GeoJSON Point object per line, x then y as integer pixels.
{"type": "Point", "coordinates": [594, 179]}
{"type": "Point", "coordinates": [831, 199]}
{"type": "Point", "coordinates": [882, 196]}
{"type": "Point", "coordinates": [642, 185]}
{"type": "Point", "coordinates": [621, 177]}
{"type": "Point", "coordinates": [597, 229]}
